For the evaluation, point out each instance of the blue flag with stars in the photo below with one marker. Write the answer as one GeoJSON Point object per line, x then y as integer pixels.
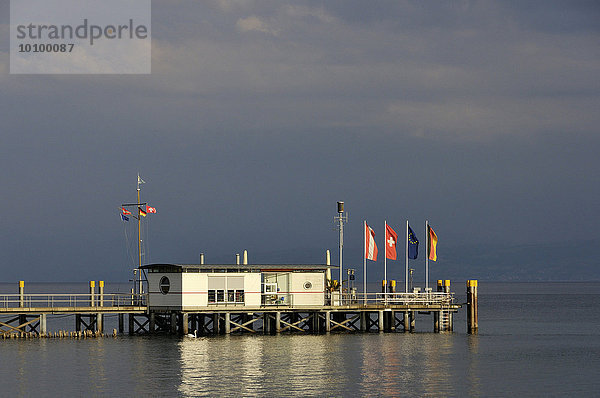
{"type": "Point", "coordinates": [413, 244]}
{"type": "Point", "coordinates": [124, 217]}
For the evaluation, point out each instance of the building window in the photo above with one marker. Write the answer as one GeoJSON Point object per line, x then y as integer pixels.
{"type": "Point", "coordinates": [220, 296]}
{"type": "Point", "coordinates": [212, 296]}
{"type": "Point", "coordinates": [164, 285]}
{"type": "Point", "coordinates": [230, 296]}
{"type": "Point", "coordinates": [239, 296]}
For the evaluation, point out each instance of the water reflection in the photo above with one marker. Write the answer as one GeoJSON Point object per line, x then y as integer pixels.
{"type": "Point", "coordinates": [399, 364]}
{"type": "Point", "coordinates": [254, 365]}
{"type": "Point", "coordinates": [473, 377]}
{"type": "Point", "coordinates": [333, 365]}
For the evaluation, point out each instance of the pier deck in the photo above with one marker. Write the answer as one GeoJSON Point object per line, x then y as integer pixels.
{"type": "Point", "coordinates": [373, 313]}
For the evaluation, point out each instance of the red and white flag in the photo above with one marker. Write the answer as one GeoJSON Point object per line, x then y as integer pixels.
{"type": "Point", "coordinates": [151, 209]}
{"type": "Point", "coordinates": [391, 238]}
{"type": "Point", "coordinates": [370, 246]}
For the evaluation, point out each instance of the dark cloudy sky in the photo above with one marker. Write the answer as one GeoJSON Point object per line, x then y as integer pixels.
{"type": "Point", "coordinates": [259, 115]}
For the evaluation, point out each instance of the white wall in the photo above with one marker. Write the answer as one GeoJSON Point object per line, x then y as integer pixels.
{"type": "Point", "coordinates": [252, 289]}
{"type": "Point", "coordinates": [195, 289]}
{"type": "Point", "coordinates": [189, 290]}
{"type": "Point", "coordinates": [304, 295]}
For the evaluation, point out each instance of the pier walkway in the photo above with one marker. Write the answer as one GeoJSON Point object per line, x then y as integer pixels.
{"type": "Point", "coordinates": [376, 312]}
{"type": "Point", "coordinates": [29, 311]}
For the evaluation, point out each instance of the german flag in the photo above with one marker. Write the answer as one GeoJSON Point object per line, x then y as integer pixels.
{"type": "Point", "coordinates": [142, 212]}
{"type": "Point", "coordinates": [432, 246]}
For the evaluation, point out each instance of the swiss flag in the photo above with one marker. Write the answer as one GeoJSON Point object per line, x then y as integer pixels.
{"type": "Point", "coordinates": [151, 209]}
{"type": "Point", "coordinates": [391, 238]}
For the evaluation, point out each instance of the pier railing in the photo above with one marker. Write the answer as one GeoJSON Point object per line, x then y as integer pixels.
{"type": "Point", "coordinates": [50, 301]}
{"type": "Point", "coordinates": [431, 298]}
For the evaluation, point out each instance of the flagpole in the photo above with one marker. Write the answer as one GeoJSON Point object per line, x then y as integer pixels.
{"type": "Point", "coordinates": [385, 261]}
{"type": "Point", "coordinates": [406, 253]}
{"type": "Point", "coordinates": [365, 260]}
{"type": "Point", "coordinates": [139, 237]}
{"type": "Point", "coordinates": [427, 254]}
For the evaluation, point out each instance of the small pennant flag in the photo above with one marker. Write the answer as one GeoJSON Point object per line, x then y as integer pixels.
{"type": "Point", "coordinates": [370, 246]}
{"type": "Point", "coordinates": [125, 211]}
{"type": "Point", "coordinates": [413, 244]}
{"type": "Point", "coordinates": [391, 238]}
{"type": "Point", "coordinates": [432, 249]}
{"type": "Point", "coordinates": [151, 209]}
{"type": "Point", "coordinates": [124, 217]}
{"type": "Point", "coordinates": [142, 212]}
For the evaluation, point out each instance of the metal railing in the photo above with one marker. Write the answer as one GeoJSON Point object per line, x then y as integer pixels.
{"type": "Point", "coordinates": [72, 300]}
{"type": "Point", "coordinates": [428, 298]}
{"type": "Point", "coordinates": [275, 299]}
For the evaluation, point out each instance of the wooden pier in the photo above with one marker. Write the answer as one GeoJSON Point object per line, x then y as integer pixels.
{"type": "Point", "coordinates": [30, 311]}
{"type": "Point", "coordinates": [382, 312]}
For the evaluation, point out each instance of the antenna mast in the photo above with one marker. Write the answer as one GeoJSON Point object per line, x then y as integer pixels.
{"type": "Point", "coordinates": [341, 218]}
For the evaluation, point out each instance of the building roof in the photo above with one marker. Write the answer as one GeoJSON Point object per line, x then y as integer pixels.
{"type": "Point", "coordinates": [236, 267]}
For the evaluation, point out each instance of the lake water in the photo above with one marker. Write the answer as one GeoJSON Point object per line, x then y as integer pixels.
{"type": "Point", "coordinates": [535, 339]}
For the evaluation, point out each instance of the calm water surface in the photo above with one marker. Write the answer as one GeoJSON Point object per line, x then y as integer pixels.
{"type": "Point", "coordinates": [540, 339]}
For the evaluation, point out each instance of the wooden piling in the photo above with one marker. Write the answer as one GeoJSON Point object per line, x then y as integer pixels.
{"type": "Point", "coordinates": [278, 322]}
{"type": "Point", "coordinates": [363, 321]}
{"type": "Point", "coordinates": [21, 294]}
{"type": "Point", "coordinates": [101, 291]}
{"type": "Point", "coordinates": [227, 317]}
{"type": "Point", "coordinates": [173, 322]}
{"type": "Point", "coordinates": [472, 316]}
{"type": "Point", "coordinates": [43, 323]}
{"type": "Point", "coordinates": [152, 323]}
{"type": "Point", "coordinates": [184, 323]}
{"type": "Point", "coordinates": [131, 331]}
{"type": "Point", "coordinates": [92, 289]}
{"type": "Point", "coordinates": [316, 321]}
{"type": "Point", "coordinates": [216, 328]}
